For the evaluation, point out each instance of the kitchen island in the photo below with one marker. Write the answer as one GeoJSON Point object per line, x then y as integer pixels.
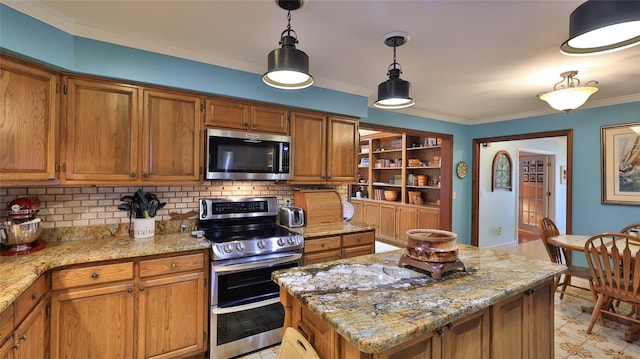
{"type": "Point", "coordinates": [501, 306]}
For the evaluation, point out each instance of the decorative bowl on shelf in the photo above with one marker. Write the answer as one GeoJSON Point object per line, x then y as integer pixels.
{"type": "Point", "coordinates": [390, 195]}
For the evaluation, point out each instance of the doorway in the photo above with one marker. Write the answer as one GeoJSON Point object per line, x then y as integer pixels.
{"type": "Point", "coordinates": [481, 173]}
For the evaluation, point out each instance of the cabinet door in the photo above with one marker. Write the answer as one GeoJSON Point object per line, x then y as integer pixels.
{"type": "Point", "coordinates": [342, 140]}
{"type": "Point", "coordinates": [32, 335]}
{"type": "Point", "coordinates": [358, 211]}
{"type": "Point", "coordinates": [171, 316]}
{"type": "Point", "coordinates": [509, 335]}
{"type": "Point", "coordinates": [28, 123]}
{"type": "Point", "coordinates": [468, 337]}
{"type": "Point", "coordinates": [372, 214]}
{"type": "Point", "coordinates": [387, 224]}
{"type": "Point", "coordinates": [101, 132]}
{"type": "Point", "coordinates": [6, 350]}
{"type": "Point", "coordinates": [406, 220]}
{"type": "Point", "coordinates": [269, 119]}
{"type": "Point", "coordinates": [227, 114]}
{"type": "Point", "coordinates": [308, 147]}
{"type": "Point", "coordinates": [540, 321]}
{"type": "Point", "coordinates": [317, 331]}
{"type": "Point", "coordinates": [427, 346]}
{"type": "Point", "coordinates": [171, 137]}
{"type": "Point", "coordinates": [428, 218]}
{"type": "Point", "coordinates": [94, 320]}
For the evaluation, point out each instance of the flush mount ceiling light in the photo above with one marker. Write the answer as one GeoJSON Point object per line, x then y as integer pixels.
{"type": "Point", "coordinates": [597, 27]}
{"type": "Point", "coordinates": [394, 93]}
{"type": "Point", "coordinates": [567, 94]}
{"type": "Point", "coordinates": [288, 67]}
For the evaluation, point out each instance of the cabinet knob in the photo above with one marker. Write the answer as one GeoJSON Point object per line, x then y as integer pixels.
{"type": "Point", "coordinates": [174, 266]}
{"type": "Point", "coordinates": [34, 296]}
{"type": "Point", "coordinates": [145, 175]}
{"type": "Point", "coordinates": [254, 125]}
{"type": "Point", "coordinates": [95, 275]}
{"type": "Point", "coordinates": [16, 346]}
{"type": "Point", "coordinates": [530, 291]}
{"type": "Point", "coordinates": [129, 290]}
{"type": "Point", "coordinates": [23, 337]}
{"type": "Point", "coordinates": [246, 125]}
{"type": "Point", "coordinates": [133, 175]}
{"type": "Point", "coordinates": [142, 289]}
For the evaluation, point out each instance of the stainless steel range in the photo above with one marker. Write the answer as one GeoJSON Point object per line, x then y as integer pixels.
{"type": "Point", "coordinates": [247, 245]}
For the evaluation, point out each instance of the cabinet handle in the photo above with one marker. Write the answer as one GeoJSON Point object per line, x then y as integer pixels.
{"type": "Point", "coordinates": [16, 346]}
{"type": "Point", "coordinates": [142, 289]}
{"type": "Point", "coordinates": [254, 125]}
{"type": "Point", "coordinates": [129, 290]}
{"type": "Point", "coordinates": [530, 291]}
{"type": "Point", "coordinates": [95, 275]}
{"type": "Point", "coordinates": [34, 296]}
{"type": "Point", "coordinates": [23, 337]}
{"type": "Point", "coordinates": [439, 331]}
{"type": "Point", "coordinates": [145, 175]}
{"type": "Point", "coordinates": [323, 245]}
{"type": "Point", "coordinates": [246, 125]}
{"type": "Point", "coordinates": [174, 266]}
{"type": "Point", "coordinates": [133, 175]}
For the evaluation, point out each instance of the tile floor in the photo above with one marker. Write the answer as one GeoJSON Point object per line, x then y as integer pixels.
{"type": "Point", "coordinates": [571, 339]}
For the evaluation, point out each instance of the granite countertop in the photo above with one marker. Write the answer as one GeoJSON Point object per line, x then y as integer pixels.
{"type": "Point", "coordinates": [19, 272]}
{"type": "Point", "coordinates": [328, 229]}
{"type": "Point", "coordinates": [377, 304]}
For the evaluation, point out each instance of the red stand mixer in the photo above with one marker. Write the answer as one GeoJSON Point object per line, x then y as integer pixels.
{"type": "Point", "coordinates": [20, 233]}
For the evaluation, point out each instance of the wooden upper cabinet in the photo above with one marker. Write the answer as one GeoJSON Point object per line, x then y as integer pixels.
{"type": "Point", "coordinates": [101, 132]}
{"type": "Point", "coordinates": [323, 148]}
{"type": "Point", "coordinates": [308, 147]}
{"type": "Point", "coordinates": [342, 137]}
{"type": "Point", "coordinates": [29, 106]}
{"type": "Point", "coordinates": [224, 113]}
{"type": "Point", "coordinates": [171, 137]}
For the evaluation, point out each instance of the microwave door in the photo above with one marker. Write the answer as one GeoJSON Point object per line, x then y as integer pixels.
{"type": "Point", "coordinates": [232, 158]}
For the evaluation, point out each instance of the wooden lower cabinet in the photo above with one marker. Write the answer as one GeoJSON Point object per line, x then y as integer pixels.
{"type": "Point", "coordinates": [24, 326]}
{"type": "Point", "coordinates": [333, 247]}
{"type": "Point", "coordinates": [518, 327]}
{"type": "Point", "coordinates": [393, 220]}
{"type": "Point", "coordinates": [146, 308]}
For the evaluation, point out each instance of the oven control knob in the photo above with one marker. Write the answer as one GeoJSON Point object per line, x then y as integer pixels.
{"type": "Point", "coordinates": [291, 241]}
{"type": "Point", "coordinates": [240, 246]}
{"type": "Point", "coordinates": [228, 247]}
{"type": "Point", "coordinates": [280, 242]}
{"type": "Point", "coordinates": [261, 244]}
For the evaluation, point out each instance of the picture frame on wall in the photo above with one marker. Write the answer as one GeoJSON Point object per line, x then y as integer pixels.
{"type": "Point", "coordinates": [620, 156]}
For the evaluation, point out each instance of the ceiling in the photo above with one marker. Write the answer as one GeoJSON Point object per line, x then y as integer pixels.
{"type": "Point", "coordinates": [468, 62]}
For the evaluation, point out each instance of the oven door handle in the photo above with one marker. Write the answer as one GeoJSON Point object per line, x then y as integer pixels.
{"type": "Point", "coordinates": [240, 308]}
{"type": "Point", "coordinates": [256, 265]}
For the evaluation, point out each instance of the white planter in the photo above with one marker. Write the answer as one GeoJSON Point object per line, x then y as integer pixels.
{"type": "Point", "coordinates": [144, 227]}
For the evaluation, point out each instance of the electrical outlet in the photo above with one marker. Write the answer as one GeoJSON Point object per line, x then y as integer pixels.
{"type": "Point", "coordinates": [183, 227]}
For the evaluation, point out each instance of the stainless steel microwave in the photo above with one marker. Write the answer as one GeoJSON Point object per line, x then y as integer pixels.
{"type": "Point", "coordinates": [247, 155]}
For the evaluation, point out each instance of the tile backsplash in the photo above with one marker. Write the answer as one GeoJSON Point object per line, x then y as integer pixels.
{"type": "Point", "coordinates": [98, 205]}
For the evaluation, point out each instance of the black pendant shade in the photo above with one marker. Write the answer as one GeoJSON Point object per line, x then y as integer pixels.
{"type": "Point", "coordinates": [598, 26]}
{"type": "Point", "coordinates": [394, 93]}
{"type": "Point", "coordinates": [288, 67]}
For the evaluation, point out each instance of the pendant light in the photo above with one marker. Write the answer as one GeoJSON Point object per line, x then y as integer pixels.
{"type": "Point", "coordinates": [394, 93]}
{"type": "Point", "coordinates": [569, 95]}
{"type": "Point", "coordinates": [598, 26]}
{"type": "Point", "coordinates": [288, 67]}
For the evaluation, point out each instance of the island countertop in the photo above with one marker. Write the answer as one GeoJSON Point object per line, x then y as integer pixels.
{"type": "Point", "coordinates": [376, 304]}
{"type": "Point", "coordinates": [19, 272]}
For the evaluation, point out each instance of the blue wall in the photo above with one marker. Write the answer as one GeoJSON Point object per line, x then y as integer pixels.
{"type": "Point", "coordinates": [30, 38]}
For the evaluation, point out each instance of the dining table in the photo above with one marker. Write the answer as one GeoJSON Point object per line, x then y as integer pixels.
{"type": "Point", "coordinates": [576, 242]}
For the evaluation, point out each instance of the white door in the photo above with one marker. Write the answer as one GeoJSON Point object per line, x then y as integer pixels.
{"type": "Point", "coordinates": [534, 191]}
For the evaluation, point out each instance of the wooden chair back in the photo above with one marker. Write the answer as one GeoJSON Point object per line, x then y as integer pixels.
{"type": "Point", "coordinates": [614, 262]}
{"type": "Point", "coordinates": [633, 229]}
{"type": "Point", "coordinates": [548, 228]}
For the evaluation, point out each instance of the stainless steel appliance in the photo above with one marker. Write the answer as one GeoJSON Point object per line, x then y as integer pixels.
{"type": "Point", "coordinates": [247, 246]}
{"type": "Point", "coordinates": [247, 155]}
{"type": "Point", "coordinates": [291, 216]}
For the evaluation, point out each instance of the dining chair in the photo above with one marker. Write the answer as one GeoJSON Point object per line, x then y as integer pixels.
{"type": "Point", "coordinates": [295, 346]}
{"type": "Point", "coordinates": [632, 229]}
{"type": "Point", "coordinates": [614, 263]}
{"type": "Point", "coordinates": [547, 228]}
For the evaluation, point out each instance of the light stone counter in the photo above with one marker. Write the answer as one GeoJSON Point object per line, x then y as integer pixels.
{"type": "Point", "coordinates": [19, 272]}
{"type": "Point", "coordinates": [328, 229]}
{"type": "Point", "coordinates": [376, 304]}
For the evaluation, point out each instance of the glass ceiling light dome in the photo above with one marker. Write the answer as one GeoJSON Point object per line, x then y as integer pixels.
{"type": "Point", "coordinates": [394, 93]}
{"type": "Point", "coordinates": [288, 67]}
{"type": "Point", "coordinates": [570, 95]}
{"type": "Point", "coordinates": [598, 27]}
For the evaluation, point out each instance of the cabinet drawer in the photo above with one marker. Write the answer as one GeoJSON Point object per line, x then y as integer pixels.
{"type": "Point", "coordinates": [6, 323]}
{"type": "Point", "coordinates": [356, 239]}
{"type": "Point", "coordinates": [357, 251]}
{"type": "Point", "coordinates": [30, 298]}
{"type": "Point", "coordinates": [153, 267]}
{"type": "Point", "coordinates": [76, 277]}
{"type": "Point", "coordinates": [321, 244]}
{"type": "Point", "coordinates": [321, 257]}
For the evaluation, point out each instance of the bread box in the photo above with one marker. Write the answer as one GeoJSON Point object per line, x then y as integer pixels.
{"type": "Point", "coordinates": [319, 206]}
